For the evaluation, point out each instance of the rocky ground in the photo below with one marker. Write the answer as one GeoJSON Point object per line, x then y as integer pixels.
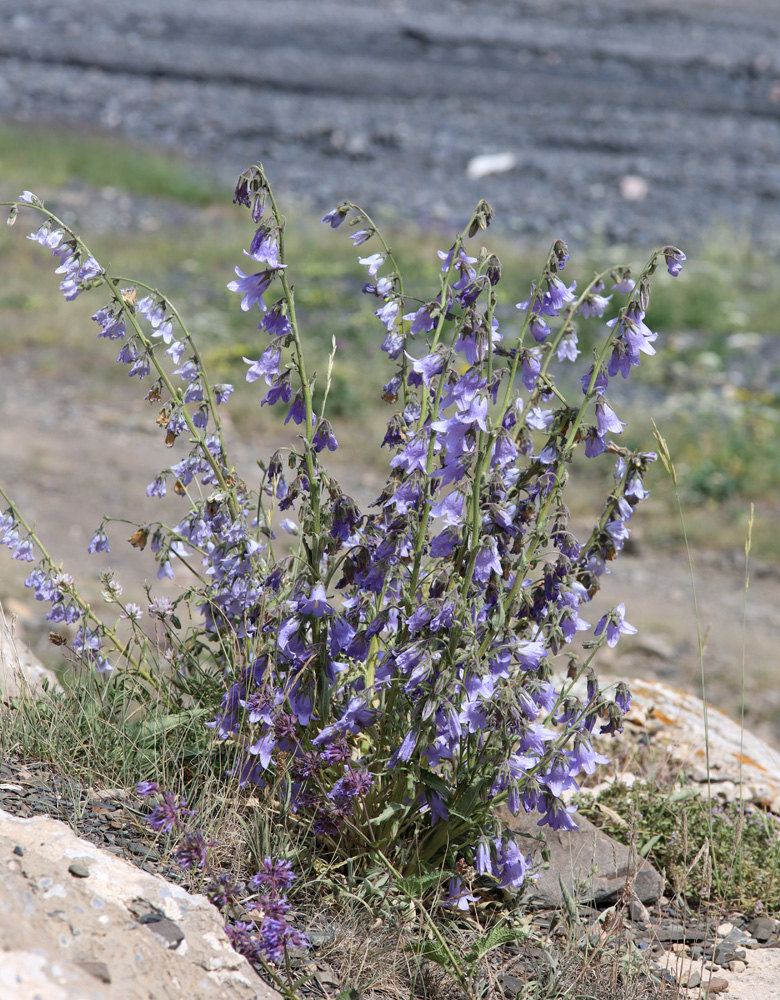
{"type": "Point", "coordinates": [632, 123]}
{"type": "Point", "coordinates": [176, 937]}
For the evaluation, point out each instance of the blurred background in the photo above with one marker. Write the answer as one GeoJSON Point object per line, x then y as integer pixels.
{"type": "Point", "coordinates": [607, 120]}
{"type": "Point", "coordinates": [614, 126]}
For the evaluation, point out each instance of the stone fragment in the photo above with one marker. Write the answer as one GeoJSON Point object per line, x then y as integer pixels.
{"type": "Point", "coordinates": [672, 930]}
{"type": "Point", "coordinates": [490, 163]}
{"type": "Point", "coordinates": [716, 985]}
{"type": "Point", "coordinates": [637, 911]}
{"type": "Point", "coordinates": [737, 966]}
{"type": "Point", "coordinates": [761, 928]}
{"type": "Point", "coordinates": [592, 866]}
{"type": "Point", "coordinates": [97, 969]}
{"type": "Point", "coordinates": [724, 953]}
{"type": "Point", "coordinates": [692, 980]}
{"type": "Point", "coordinates": [511, 985]}
{"type": "Point", "coordinates": [165, 930]}
{"type": "Point", "coordinates": [633, 188]}
{"type": "Point", "coordinates": [78, 870]}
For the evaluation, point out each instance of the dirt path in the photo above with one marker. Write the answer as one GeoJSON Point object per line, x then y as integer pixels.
{"type": "Point", "coordinates": [635, 123]}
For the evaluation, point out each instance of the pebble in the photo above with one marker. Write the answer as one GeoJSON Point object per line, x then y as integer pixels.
{"type": "Point", "coordinates": [761, 928]}
{"type": "Point", "coordinates": [78, 870]}
{"type": "Point", "coordinates": [638, 912]}
{"type": "Point", "coordinates": [716, 985]}
{"type": "Point", "coordinates": [166, 931]}
{"type": "Point", "coordinates": [692, 980]}
{"type": "Point", "coordinates": [511, 985]}
{"type": "Point", "coordinates": [726, 952]}
{"type": "Point", "coordinates": [737, 966]}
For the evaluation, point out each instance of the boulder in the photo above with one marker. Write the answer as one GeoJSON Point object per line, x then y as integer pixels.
{"type": "Point", "coordinates": [741, 764]}
{"type": "Point", "coordinates": [78, 922]}
{"type": "Point", "coordinates": [20, 668]}
{"type": "Point", "coordinates": [593, 867]}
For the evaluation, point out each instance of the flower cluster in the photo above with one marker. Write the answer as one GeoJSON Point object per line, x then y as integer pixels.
{"type": "Point", "coordinates": [396, 676]}
{"type": "Point", "coordinates": [272, 935]}
{"type": "Point", "coordinates": [169, 813]}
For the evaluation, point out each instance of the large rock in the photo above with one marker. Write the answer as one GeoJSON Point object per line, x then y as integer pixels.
{"type": "Point", "coordinates": [20, 669]}
{"type": "Point", "coordinates": [77, 922]}
{"type": "Point", "coordinates": [741, 764]}
{"type": "Point", "coordinates": [593, 867]}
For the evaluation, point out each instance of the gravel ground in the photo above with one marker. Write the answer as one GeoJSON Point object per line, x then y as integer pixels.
{"type": "Point", "coordinates": [642, 123]}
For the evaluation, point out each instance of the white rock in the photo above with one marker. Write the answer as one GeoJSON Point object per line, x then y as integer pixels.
{"type": "Point", "coordinates": [63, 937]}
{"type": "Point", "coordinates": [676, 721]}
{"type": "Point", "coordinates": [20, 669]}
{"type": "Point", "coordinates": [490, 163]}
{"type": "Point", "coordinates": [633, 188]}
{"type": "Point", "coordinates": [684, 969]}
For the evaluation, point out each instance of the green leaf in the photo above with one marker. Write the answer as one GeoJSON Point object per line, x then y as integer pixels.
{"type": "Point", "coordinates": [499, 617]}
{"type": "Point", "coordinates": [568, 900]}
{"type": "Point", "coordinates": [682, 794]}
{"type": "Point", "coordinates": [152, 729]}
{"type": "Point", "coordinates": [415, 886]}
{"type": "Point", "coordinates": [470, 797]}
{"type": "Point", "coordinates": [433, 952]}
{"type": "Point", "coordinates": [350, 994]}
{"type": "Point", "coordinates": [664, 454]}
{"type": "Point", "coordinates": [439, 785]}
{"type": "Point", "coordinates": [388, 812]}
{"type": "Point", "coordinates": [645, 849]}
{"type": "Point", "coordinates": [494, 939]}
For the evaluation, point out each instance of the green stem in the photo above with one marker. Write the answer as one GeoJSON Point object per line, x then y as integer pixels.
{"type": "Point", "coordinates": [432, 926]}
{"type": "Point", "coordinates": [314, 491]}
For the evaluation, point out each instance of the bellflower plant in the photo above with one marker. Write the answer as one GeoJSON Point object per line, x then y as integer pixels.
{"type": "Point", "coordinates": [392, 682]}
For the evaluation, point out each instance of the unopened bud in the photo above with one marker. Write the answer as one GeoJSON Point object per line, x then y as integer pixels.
{"type": "Point", "coordinates": [644, 293]}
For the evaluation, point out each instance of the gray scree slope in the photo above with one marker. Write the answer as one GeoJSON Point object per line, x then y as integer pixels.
{"type": "Point", "coordinates": [386, 103]}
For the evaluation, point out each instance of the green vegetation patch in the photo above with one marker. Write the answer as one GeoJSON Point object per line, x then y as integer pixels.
{"type": "Point", "coordinates": [677, 829]}
{"type": "Point", "coordinates": [44, 159]}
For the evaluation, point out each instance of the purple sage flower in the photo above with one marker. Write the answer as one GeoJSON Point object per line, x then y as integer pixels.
{"type": "Point", "coordinates": [193, 851]}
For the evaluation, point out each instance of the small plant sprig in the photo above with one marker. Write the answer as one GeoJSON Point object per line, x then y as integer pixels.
{"type": "Point", "coordinates": [391, 684]}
